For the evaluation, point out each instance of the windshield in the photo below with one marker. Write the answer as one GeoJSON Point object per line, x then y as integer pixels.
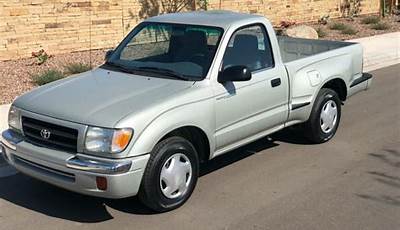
{"type": "Point", "coordinates": [170, 50]}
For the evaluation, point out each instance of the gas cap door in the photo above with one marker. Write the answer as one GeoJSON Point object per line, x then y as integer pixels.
{"type": "Point", "coordinates": [314, 77]}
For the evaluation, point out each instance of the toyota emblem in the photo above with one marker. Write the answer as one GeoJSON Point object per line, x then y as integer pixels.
{"type": "Point", "coordinates": [45, 134]}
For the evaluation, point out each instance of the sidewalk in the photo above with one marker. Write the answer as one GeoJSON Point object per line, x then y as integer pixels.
{"type": "Point", "coordinates": [380, 51]}
{"type": "Point", "coordinates": [3, 116]}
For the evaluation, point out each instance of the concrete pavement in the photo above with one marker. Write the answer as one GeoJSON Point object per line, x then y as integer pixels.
{"type": "Point", "coordinates": [281, 182]}
{"type": "Point", "coordinates": [380, 51]}
{"type": "Point", "coordinates": [3, 116]}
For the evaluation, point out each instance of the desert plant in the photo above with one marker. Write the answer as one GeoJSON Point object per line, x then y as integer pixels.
{"type": "Point", "coordinates": [203, 4]}
{"type": "Point", "coordinates": [387, 7]}
{"type": "Point", "coordinates": [286, 24]}
{"type": "Point", "coordinates": [380, 26]}
{"type": "Point", "coordinates": [321, 32]}
{"type": "Point", "coordinates": [74, 68]}
{"type": "Point", "coordinates": [337, 26]}
{"type": "Point", "coordinates": [41, 56]}
{"type": "Point", "coordinates": [47, 77]}
{"type": "Point", "coordinates": [349, 30]}
{"type": "Point", "coordinates": [370, 20]}
{"type": "Point", "coordinates": [324, 20]}
{"type": "Point", "coordinates": [151, 8]}
{"type": "Point", "coordinates": [350, 8]}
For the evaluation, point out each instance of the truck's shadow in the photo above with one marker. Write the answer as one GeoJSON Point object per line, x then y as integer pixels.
{"type": "Point", "coordinates": [52, 201]}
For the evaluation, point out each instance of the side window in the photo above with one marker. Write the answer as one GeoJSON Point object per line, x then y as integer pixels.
{"type": "Point", "coordinates": [250, 47]}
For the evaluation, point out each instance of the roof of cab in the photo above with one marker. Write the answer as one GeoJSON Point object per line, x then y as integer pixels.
{"type": "Point", "coordinates": [217, 18]}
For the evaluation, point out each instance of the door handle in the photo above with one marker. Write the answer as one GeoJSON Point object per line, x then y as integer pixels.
{"type": "Point", "coordinates": [275, 82]}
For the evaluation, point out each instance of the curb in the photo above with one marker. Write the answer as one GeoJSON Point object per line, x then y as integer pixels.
{"type": "Point", "coordinates": [4, 116]}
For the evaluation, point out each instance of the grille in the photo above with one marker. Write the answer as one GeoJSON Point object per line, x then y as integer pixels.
{"type": "Point", "coordinates": [61, 138]}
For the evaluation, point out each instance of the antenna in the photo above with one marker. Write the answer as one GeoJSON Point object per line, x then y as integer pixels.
{"type": "Point", "coordinates": [122, 17]}
{"type": "Point", "coordinates": [90, 34]}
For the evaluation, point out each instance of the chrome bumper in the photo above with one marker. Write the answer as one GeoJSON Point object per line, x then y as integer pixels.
{"type": "Point", "coordinates": [95, 166]}
{"type": "Point", "coordinates": [75, 172]}
{"type": "Point", "coordinates": [10, 139]}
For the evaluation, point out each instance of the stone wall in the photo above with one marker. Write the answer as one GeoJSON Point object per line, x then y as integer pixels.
{"type": "Point", "coordinates": [60, 26]}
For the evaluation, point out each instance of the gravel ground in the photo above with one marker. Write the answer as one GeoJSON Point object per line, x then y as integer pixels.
{"type": "Point", "coordinates": [362, 29]}
{"type": "Point", "coordinates": [15, 75]}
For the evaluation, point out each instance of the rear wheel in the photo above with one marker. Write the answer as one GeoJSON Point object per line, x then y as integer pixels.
{"type": "Point", "coordinates": [170, 176]}
{"type": "Point", "coordinates": [324, 118]}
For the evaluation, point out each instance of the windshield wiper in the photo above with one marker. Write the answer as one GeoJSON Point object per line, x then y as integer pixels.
{"type": "Point", "coordinates": [168, 72]}
{"type": "Point", "coordinates": [156, 70]}
{"type": "Point", "coordinates": [120, 67]}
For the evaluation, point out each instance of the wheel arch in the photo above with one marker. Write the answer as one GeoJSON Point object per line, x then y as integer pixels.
{"type": "Point", "coordinates": [196, 136]}
{"type": "Point", "coordinates": [338, 85]}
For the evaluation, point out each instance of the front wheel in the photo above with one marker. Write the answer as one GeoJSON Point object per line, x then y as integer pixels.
{"type": "Point", "coordinates": [324, 118]}
{"type": "Point", "coordinates": [170, 176]}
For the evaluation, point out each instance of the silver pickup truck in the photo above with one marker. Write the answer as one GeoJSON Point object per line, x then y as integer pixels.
{"type": "Point", "coordinates": [179, 90]}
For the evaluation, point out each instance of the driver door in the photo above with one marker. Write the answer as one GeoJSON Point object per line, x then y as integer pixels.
{"type": "Point", "coordinates": [246, 109]}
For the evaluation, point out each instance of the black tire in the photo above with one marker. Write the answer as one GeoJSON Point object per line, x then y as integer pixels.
{"type": "Point", "coordinates": [312, 127]}
{"type": "Point", "coordinates": [150, 193]}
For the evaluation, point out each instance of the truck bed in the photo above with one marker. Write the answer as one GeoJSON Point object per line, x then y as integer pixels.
{"type": "Point", "coordinates": [309, 63]}
{"type": "Point", "coordinates": [296, 48]}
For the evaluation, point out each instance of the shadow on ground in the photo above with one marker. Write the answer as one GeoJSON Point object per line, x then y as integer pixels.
{"type": "Point", "coordinates": [389, 179]}
{"type": "Point", "coordinates": [52, 201]}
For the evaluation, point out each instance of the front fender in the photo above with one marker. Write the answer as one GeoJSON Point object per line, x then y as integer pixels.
{"type": "Point", "coordinates": [198, 114]}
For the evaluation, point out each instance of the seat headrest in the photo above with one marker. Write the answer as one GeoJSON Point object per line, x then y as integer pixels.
{"type": "Point", "coordinates": [246, 42]}
{"type": "Point", "coordinates": [176, 42]}
{"type": "Point", "coordinates": [197, 37]}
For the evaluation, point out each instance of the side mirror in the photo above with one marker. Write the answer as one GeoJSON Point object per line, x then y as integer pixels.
{"type": "Point", "coordinates": [108, 54]}
{"type": "Point", "coordinates": [234, 73]}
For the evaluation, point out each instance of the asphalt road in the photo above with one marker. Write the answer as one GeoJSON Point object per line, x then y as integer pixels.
{"type": "Point", "coordinates": [281, 182]}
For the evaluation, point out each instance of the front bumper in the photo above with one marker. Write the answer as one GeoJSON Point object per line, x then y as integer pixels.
{"type": "Point", "coordinates": [74, 172]}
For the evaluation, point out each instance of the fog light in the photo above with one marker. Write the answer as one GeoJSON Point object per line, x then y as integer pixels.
{"type": "Point", "coordinates": [101, 183]}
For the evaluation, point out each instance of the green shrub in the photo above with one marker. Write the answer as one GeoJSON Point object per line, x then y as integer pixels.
{"type": "Point", "coordinates": [47, 77]}
{"type": "Point", "coordinates": [380, 26]}
{"type": "Point", "coordinates": [338, 26]}
{"type": "Point", "coordinates": [370, 20]}
{"type": "Point", "coordinates": [349, 30]}
{"type": "Point", "coordinates": [321, 32]}
{"type": "Point", "coordinates": [41, 56]}
{"type": "Point", "coordinates": [74, 68]}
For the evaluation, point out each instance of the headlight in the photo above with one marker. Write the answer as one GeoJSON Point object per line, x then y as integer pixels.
{"type": "Point", "coordinates": [14, 118]}
{"type": "Point", "coordinates": [107, 140]}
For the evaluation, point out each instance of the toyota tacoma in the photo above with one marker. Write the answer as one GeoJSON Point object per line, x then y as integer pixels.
{"type": "Point", "coordinates": [180, 89]}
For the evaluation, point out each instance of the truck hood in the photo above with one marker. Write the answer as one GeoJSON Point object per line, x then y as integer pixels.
{"type": "Point", "coordinates": [99, 97]}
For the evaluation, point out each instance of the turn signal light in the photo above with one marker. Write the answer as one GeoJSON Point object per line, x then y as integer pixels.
{"type": "Point", "coordinates": [101, 183]}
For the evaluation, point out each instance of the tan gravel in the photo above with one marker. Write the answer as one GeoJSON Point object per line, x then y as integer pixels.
{"type": "Point", "coordinates": [363, 30]}
{"type": "Point", "coordinates": [15, 75]}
